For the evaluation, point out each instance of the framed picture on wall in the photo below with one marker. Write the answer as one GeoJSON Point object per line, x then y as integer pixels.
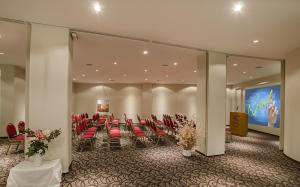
{"type": "Point", "coordinates": [102, 105]}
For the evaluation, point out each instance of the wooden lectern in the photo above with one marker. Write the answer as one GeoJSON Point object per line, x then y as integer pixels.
{"type": "Point", "coordinates": [239, 123]}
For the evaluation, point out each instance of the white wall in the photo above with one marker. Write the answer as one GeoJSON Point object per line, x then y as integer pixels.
{"type": "Point", "coordinates": [292, 103]}
{"type": "Point", "coordinates": [130, 98]}
{"type": "Point", "coordinates": [12, 96]}
{"type": "Point", "coordinates": [20, 84]}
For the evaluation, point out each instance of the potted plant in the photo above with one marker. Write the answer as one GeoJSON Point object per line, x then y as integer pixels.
{"type": "Point", "coordinates": [187, 137]}
{"type": "Point", "coordinates": [39, 141]}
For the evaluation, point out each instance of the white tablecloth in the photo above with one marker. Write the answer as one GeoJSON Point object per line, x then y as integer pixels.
{"type": "Point", "coordinates": [25, 174]}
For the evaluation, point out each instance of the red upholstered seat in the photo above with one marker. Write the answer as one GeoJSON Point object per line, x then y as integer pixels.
{"type": "Point", "coordinates": [89, 133]}
{"type": "Point", "coordinates": [20, 138]}
{"type": "Point", "coordinates": [93, 128]}
{"type": "Point", "coordinates": [160, 132]}
{"type": "Point", "coordinates": [86, 137]}
{"type": "Point", "coordinates": [143, 122]}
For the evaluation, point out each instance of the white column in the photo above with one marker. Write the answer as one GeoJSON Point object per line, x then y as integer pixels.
{"type": "Point", "coordinates": [146, 100]}
{"type": "Point", "coordinates": [292, 102]}
{"type": "Point", "coordinates": [7, 99]}
{"type": "Point", "coordinates": [50, 86]}
{"type": "Point", "coordinates": [211, 94]}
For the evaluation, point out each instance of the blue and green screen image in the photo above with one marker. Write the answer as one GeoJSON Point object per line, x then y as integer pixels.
{"type": "Point", "coordinates": [263, 106]}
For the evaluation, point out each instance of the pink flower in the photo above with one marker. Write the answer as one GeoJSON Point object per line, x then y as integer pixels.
{"type": "Point", "coordinates": [40, 135]}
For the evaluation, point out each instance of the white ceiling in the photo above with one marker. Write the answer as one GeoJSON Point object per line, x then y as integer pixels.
{"type": "Point", "coordinates": [103, 51]}
{"type": "Point", "coordinates": [207, 24]}
{"type": "Point", "coordinates": [13, 42]}
{"type": "Point", "coordinates": [252, 68]}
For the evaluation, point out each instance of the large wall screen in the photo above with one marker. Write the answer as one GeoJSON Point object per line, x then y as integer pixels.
{"type": "Point", "coordinates": [263, 106]}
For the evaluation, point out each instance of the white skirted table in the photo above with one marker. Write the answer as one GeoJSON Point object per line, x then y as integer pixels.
{"type": "Point", "coordinates": [25, 174]}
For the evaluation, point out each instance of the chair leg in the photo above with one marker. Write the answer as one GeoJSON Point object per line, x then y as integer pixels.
{"type": "Point", "coordinates": [17, 147]}
{"type": "Point", "coordinates": [8, 148]}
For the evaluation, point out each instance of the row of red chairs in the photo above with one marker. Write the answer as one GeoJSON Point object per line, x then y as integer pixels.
{"type": "Point", "coordinates": [114, 134]}
{"type": "Point", "coordinates": [159, 133]}
{"type": "Point", "coordinates": [169, 123]}
{"type": "Point", "coordinates": [14, 137]}
{"type": "Point", "coordinates": [85, 134]}
{"type": "Point", "coordinates": [135, 131]}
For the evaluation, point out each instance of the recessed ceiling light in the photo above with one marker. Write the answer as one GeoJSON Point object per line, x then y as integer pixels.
{"type": "Point", "coordinates": [157, 80]}
{"type": "Point", "coordinates": [110, 79]}
{"type": "Point", "coordinates": [255, 41]}
{"type": "Point", "coordinates": [237, 7]}
{"type": "Point", "coordinates": [167, 76]}
{"type": "Point", "coordinates": [235, 65]}
{"type": "Point", "coordinates": [74, 79]}
{"type": "Point", "coordinates": [115, 63]}
{"type": "Point", "coordinates": [83, 75]}
{"type": "Point", "coordinates": [261, 83]}
{"type": "Point", "coordinates": [145, 70]}
{"type": "Point", "coordinates": [244, 72]}
{"type": "Point", "coordinates": [97, 7]}
{"type": "Point", "coordinates": [145, 52]}
{"type": "Point", "coordinates": [146, 79]}
{"type": "Point", "coordinates": [1, 53]}
{"type": "Point", "coordinates": [182, 80]}
{"type": "Point", "coordinates": [175, 63]}
{"type": "Point", "coordinates": [195, 71]}
{"type": "Point", "coordinates": [250, 77]}
{"type": "Point", "coordinates": [124, 75]}
{"type": "Point", "coordinates": [97, 70]}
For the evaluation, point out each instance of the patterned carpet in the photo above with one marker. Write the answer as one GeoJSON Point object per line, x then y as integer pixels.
{"type": "Point", "coordinates": [251, 161]}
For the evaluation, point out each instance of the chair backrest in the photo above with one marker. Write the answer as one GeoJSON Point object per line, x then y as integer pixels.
{"type": "Point", "coordinates": [21, 127]}
{"type": "Point", "coordinates": [11, 130]}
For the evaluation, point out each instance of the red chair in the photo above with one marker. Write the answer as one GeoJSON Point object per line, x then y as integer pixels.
{"type": "Point", "coordinates": [114, 135]}
{"type": "Point", "coordinates": [85, 136]}
{"type": "Point", "coordinates": [160, 134]}
{"type": "Point", "coordinates": [21, 127]}
{"type": "Point", "coordinates": [137, 132]}
{"type": "Point", "coordinates": [13, 137]}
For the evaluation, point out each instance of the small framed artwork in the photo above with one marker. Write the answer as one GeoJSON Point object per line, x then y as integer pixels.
{"type": "Point", "coordinates": [102, 105]}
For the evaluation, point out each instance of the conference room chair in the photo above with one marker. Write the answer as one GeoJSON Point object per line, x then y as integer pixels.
{"type": "Point", "coordinates": [13, 137]}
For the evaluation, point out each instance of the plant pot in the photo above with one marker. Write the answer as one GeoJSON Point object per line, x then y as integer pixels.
{"type": "Point", "coordinates": [37, 160]}
{"type": "Point", "coordinates": [187, 153]}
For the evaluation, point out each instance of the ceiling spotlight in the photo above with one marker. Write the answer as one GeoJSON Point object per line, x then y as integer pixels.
{"type": "Point", "coordinates": [167, 76]}
{"type": "Point", "coordinates": [250, 77]}
{"type": "Point", "coordinates": [145, 52]}
{"type": "Point", "coordinates": [97, 70]}
{"type": "Point", "coordinates": [175, 63]}
{"type": "Point", "coordinates": [97, 7]}
{"type": "Point", "coordinates": [145, 70]}
{"type": "Point", "coordinates": [195, 71]}
{"type": "Point", "coordinates": [110, 79]}
{"type": "Point", "coordinates": [146, 79]}
{"type": "Point", "coordinates": [83, 75]}
{"type": "Point", "coordinates": [255, 41]}
{"type": "Point", "coordinates": [182, 80]}
{"type": "Point", "coordinates": [124, 75]}
{"type": "Point", "coordinates": [244, 72]}
{"type": "Point", "coordinates": [74, 79]}
{"type": "Point", "coordinates": [238, 7]}
{"type": "Point", "coordinates": [115, 63]}
{"type": "Point", "coordinates": [1, 53]}
{"type": "Point", "coordinates": [235, 65]}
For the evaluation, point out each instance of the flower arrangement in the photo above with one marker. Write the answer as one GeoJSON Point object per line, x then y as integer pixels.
{"type": "Point", "coordinates": [39, 143]}
{"type": "Point", "coordinates": [187, 135]}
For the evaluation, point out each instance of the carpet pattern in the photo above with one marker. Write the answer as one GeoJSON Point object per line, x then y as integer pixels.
{"type": "Point", "coordinates": [251, 161]}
